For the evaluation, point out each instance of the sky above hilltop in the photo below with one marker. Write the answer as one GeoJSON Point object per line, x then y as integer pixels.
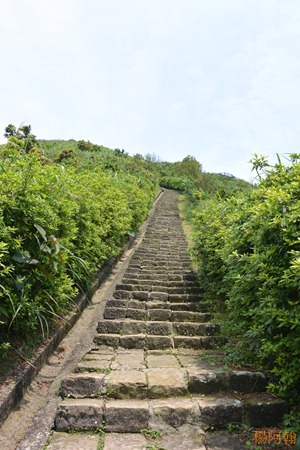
{"type": "Point", "coordinates": [218, 80]}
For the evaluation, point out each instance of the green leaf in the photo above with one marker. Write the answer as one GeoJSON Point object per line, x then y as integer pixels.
{"type": "Point", "coordinates": [24, 257]}
{"type": "Point", "coordinates": [41, 231]}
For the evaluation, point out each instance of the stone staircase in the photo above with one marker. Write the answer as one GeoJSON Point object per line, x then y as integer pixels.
{"type": "Point", "coordinates": [156, 362]}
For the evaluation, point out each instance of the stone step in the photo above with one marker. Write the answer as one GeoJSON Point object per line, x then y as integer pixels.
{"type": "Point", "coordinates": [187, 306]}
{"type": "Point", "coordinates": [155, 295]}
{"type": "Point", "coordinates": [149, 287]}
{"type": "Point", "coordinates": [162, 274]}
{"type": "Point", "coordinates": [157, 328]}
{"type": "Point", "coordinates": [156, 314]}
{"type": "Point", "coordinates": [161, 260]}
{"type": "Point", "coordinates": [190, 316]}
{"type": "Point", "coordinates": [156, 361]}
{"type": "Point", "coordinates": [136, 374]}
{"type": "Point", "coordinates": [147, 341]}
{"type": "Point", "coordinates": [137, 279]}
{"type": "Point", "coordinates": [132, 416]}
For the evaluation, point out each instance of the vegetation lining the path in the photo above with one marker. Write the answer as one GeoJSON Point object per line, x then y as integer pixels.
{"type": "Point", "coordinates": [66, 206]}
{"type": "Point", "coordinates": [247, 249]}
{"type": "Point", "coordinates": [61, 217]}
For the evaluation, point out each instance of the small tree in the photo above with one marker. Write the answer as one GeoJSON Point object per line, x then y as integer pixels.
{"type": "Point", "coordinates": [23, 133]}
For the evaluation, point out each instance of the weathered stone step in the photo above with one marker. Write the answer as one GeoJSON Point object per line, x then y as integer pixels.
{"type": "Point", "coordinates": [151, 366]}
{"type": "Point", "coordinates": [157, 328]}
{"type": "Point", "coordinates": [157, 314]}
{"type": "Point", "coordinates": [166, 257]}
{"type": "Point", "coordinates": [136, 280]}
{"type": "Point", "coordinates": [149, 287]}
{"type": "Point", "coordinates": [160, 277]}
{"type": "Point", "coordinates": [157, 304]}
{"type": "Point", "coordinates": [163, 377]}
{"type": "Point", "coordinates": [134, 341]}
{"type": "Point", "coordinates": [147, 341]}
{"type": "Point", "coordinates": [132, 416]}
{"type": "Point", "coordinates": [154, 295]}
{"type": "Point", "coordinates": [190, 316]}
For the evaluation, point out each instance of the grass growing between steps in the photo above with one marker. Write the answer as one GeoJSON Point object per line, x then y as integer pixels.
{"type": "Point", "coordinates": [153, 436]}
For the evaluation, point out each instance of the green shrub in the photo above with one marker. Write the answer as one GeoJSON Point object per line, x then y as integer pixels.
{"type": "Point", "coordinates": [57, 227]}
{"type": "Point", "coordinates": [248, 251]}
{"type": "Point", "coordinates": [67, 154]}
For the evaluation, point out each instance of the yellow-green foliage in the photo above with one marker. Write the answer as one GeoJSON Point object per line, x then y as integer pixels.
{"type": "Point", "coordinates": [57, 226]}
{"type": "Point", "coordinates": [248, 251]}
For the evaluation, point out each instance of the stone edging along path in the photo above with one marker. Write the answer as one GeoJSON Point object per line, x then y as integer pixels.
{"type": "Point", "coordinates": [155, 363]}
{"type": "Point", "coordinates": [13, 392]}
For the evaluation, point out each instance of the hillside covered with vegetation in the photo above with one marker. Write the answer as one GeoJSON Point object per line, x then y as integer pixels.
{"type": "Point", "coordinates": [67, 206]}
{"type": "Point", "coordinates": [247, 249]}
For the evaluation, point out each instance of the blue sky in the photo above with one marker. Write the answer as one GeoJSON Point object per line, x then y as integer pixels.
{"type": "Point", "coordinates": [218, 80]}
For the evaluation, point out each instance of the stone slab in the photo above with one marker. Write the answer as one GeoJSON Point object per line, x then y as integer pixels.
{"type": "Point", "coordinates": [222, 440]}
{"type": "Point", "coordinates": [93, 365]}
{"type": "Point", "coordinates": [159, 295]}
{"type": "Point", "coordinates": [83, 385]}
{"type": "Point", "coordinates": [128, 441]}
{"type": "Point", "coordinates": [159, 328]}
{"type": "Point", "coordinates": [98, 355]}
{"type": "Point", "coordinates": [158, 342]}
{"type": "Point", "coordinates": [140, 295]}
{"type": "Point", "coordinates": [124, 384]}
{"type": "Point", "coordinates": [114, 313]}
{"type": "Point", "coordinates": [160, 361]}
{"type": "Point", "coordinates": [79, 414]}
{"type": "Point", "coordinates": [137, 304]}
{"type": "Point", "coordinates": [136, 314]}
{"type": "Point", "coordinates": [195, 329]}
{"type": "Point", "coordinates": [122, 294]}
{"type": "Point", "coordinates": [188, 342]}
{"type": "Point", "coordinates": [124, 287]}
{"type": "Point", "coordinates": [100, 351]}
{"type": "Point", "coordinates": [264, 413]}
{"type": "Point", "coordinates": [129, 360]}
{"type": "Point", "coordinates": [109, 326]}
{"type": "Point", "coordinates": [134, 327]}
{"type": "Point", "coordinates": [132, 341]}
{"type": "Point", "coordinates": [189, 360]}
{"type": "Point", "coordinates": [244, 381]}
{"type": "Point", "coordinates": [111, 340]}
{"type": "Point", "coordinates": [206, 381]}
{"type": "Point", "coordinates": [73, 441]}
{"type": "Point", "coordinates": [174, 412]}
{"type": "Point", "coordinates": [126, 416]}
{"type": "Point", "coordinates": [185, 316]}
{"type": "Point", "coordinates": [220, 411]}
{"type": "Point", "coordinates": [166, 382]}
{"type": "Point", "coordinates": [182, 442]}
{"type": "Point", "coordinates": [114, 303]}
{"type": "Point", "coordinates": [159, 314]}
{"type": "Point", "coordinates": [157, 304]}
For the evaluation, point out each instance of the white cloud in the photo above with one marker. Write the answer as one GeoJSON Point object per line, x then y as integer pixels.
{"type": "Point", "coordinates": [218, 80]}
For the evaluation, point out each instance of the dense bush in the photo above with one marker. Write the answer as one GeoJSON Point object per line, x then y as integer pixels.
{"type": "Point", "coordinates": [248, 252]}
{"type": "Point", "coordinates": [57, 226]}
